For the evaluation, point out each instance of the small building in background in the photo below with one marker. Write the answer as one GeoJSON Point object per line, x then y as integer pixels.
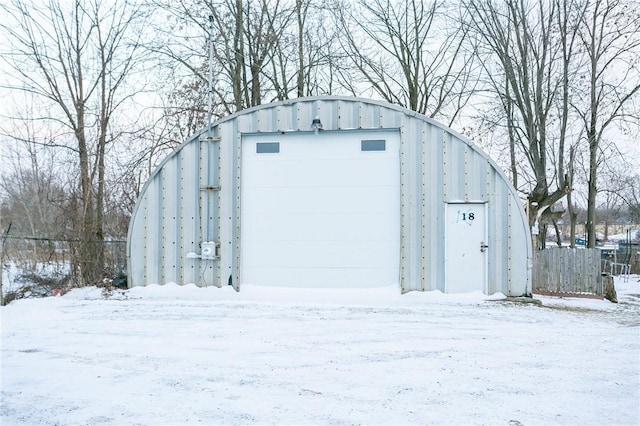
{"type": "Point", "coordinates": [330, 192]}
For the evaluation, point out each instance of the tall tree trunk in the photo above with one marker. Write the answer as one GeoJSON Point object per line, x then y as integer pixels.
{"type": "Point", "coordinates": [100, 202]}
{"type": "Point", "coordinates": [593, 187]}
{"type": "Point", "coordinates": [512, 137]}
{"type": "Point", "coordinates": [573, 217]}
{"type": "Point", "coordinates": [238, 47]}
{"type": "Point", "coordinates": [558, 233]}
{"type": "Point", "coordinates": [301, 67]}
{"type": "Point", "coordinates": [86, 252]}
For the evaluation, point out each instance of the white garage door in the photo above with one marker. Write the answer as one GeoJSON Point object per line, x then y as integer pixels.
{"type": "Point", "coordinates": [320, 210]}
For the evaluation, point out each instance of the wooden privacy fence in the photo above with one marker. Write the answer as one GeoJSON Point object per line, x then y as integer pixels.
{"type": "Point", "coordinates": [567, 270]}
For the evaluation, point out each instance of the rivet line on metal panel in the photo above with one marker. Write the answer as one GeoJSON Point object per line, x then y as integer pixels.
{"type": "Point", "coordinates": [488, 181]}
{"type": "Point", "coordinates": [466, 172]}
{"type": "Point", "coordinates": [424, 147]}
{"type": "Point", "coordinates": [197, 209]}
{"type": "Point", "coordinates": [201, 159]}
{"type": "Point", "coordinates": [235, 247]}
{"type": "Point", "coordinates": [444, 167]}
{"type": "Point", "coordinates": [218, 212]}
{"type": "Point", "coordinates": [509, 244]}
{"type": "Point", "coordinates": [218, 234]}
{"type": "Point", "coordinates": [180, 213]}
{"type": "Point", "coordinates": [144, 238]}
{"type": "Point", "coordinates": [160, 217]}
{"type": "Point", "coordinates": [403, 216]}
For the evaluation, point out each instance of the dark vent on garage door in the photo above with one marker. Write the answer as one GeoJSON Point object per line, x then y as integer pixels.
{"type": "Point", "coordinates": [373, 145]}
{"type": "Point", "coordinates": [268, 147]}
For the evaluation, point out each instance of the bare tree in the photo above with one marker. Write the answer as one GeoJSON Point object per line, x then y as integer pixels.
{"type": "Point", "coordinates": [568, 13]}
{"type": "Point", "coordinates": [307, 57]}
{"type": "Point", "coordinates": [263, 50]}
{"type": "Point", "coordinates": [34, 189]}
{"type": "Point", "coordinates": [33, 185]}
{"type": "Point", "coordinates": [77, 57]}
{"type": "Point", "coordinates": [632, 198]}
{"type": "Point", "coordinates": [245, 34]}
{"type": "Point", "coordinates": [610, 37]}
{"type": "Point", "coordinates": [527, 46]}
{"type": "Point", "coordinates": [614, 189]}
{"type": "Point", "coordinates": [410, 53]}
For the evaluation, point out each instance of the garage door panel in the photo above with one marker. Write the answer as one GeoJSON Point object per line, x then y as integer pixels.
{"type": "Point", "coordinates": [329, 254]}
{"type": "Point", "coordinates": [320, 211]}
{"type": "Point", "coordinates": [352, 199]}
{"type": "Point", "coordinates": [325, 277]}
{"type": "Point", "coordinates": [317, 227]}
{"type": "Point", "coordinates": [317, 173]}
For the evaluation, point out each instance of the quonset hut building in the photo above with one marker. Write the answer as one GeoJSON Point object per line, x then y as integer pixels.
{"type": "Point", "coordinates": [330, 192]}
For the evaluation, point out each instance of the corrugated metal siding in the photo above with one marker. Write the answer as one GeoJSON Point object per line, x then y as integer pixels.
{"type": "Point", "coordinates": [176, 212]}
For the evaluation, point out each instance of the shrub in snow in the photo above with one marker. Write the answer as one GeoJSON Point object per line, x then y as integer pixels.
{"type": "Point", "coordinates": [31, 284]}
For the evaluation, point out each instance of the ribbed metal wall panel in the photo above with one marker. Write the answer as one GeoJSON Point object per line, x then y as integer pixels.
{"type": "Point", "coordinates": [176, 212]}
{"type": "Point", "coordinates": [229, 131]}
{"type": "Point", "coordinates": [180, 206]}
{"type": "Point", "coordinates": [432, 186]}
{"type": "Point", "coordinates": [498, 231]}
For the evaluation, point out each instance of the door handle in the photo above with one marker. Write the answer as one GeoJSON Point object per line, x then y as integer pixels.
{"type": "Point", "coordinates": [483, 246]}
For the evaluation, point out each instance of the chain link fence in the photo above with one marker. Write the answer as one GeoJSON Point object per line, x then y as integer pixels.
{"type": "Point", "coordinates": [37, 267]}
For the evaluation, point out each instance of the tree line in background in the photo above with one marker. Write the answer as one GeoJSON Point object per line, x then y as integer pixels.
{"type": "Point", "coordinates": [101, 91]}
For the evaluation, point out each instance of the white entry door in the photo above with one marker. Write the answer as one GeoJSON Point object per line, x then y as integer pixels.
{"type": "Point", "coordinates": [320, 210]}
{"type": "Point", "coordinates": [466, 248]}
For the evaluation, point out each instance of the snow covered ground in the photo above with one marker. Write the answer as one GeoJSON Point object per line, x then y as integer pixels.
{"type": "Point", "coordinates": [182, 355]}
